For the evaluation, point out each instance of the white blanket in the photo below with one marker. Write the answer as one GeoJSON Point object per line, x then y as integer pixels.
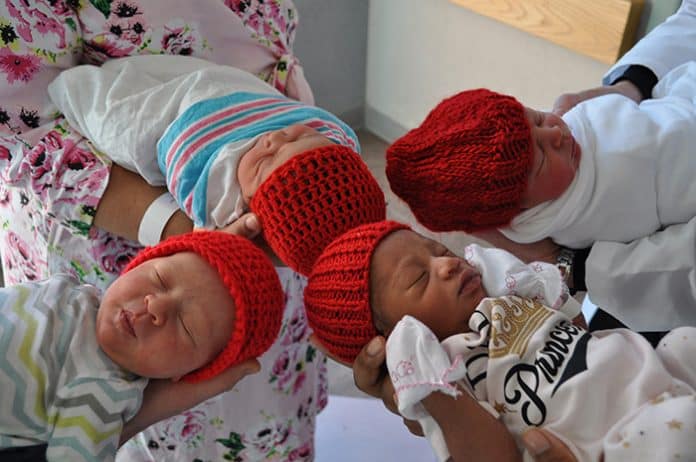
{"type": "Point", "coordinates": [636, 170]}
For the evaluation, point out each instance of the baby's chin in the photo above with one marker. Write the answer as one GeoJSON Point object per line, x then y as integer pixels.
{"type": "Point", "coordinates": [107, 339]}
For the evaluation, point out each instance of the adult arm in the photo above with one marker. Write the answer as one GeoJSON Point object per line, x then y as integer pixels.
{"type": "Point", "coordinates": [124, 202]}
{"type": "Point", "coordinates": [470, 432]}
{"type": "Point", "coordinates": [369, 373]}
{"type": "Point", "coordinates": [667, 46]}
{"type": "Point", "coordinates": [128, 195]}
{"type": "Point", "coordinates": [165, 398]}
{"type": "Point", "coordinates": [650, 283]}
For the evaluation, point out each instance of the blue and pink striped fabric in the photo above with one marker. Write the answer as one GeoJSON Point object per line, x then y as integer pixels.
{"type": "Point", "coordinates": [189, 147]}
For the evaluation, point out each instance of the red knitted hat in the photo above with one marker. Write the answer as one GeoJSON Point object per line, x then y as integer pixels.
{"type": "Point", "coordinates": [252, 280]}
{"type": "Point", "coordinates": [312, 198]}
{"type": "Point", "coordinates": [337, 296]}
{"type": "Point", "coordinates": [466, 166]}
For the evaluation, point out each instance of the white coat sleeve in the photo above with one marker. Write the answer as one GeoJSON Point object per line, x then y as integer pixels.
{"type": "Point", "coordinates": [650, 283]}
{"type": "Point", "coordinates": [667, 46]}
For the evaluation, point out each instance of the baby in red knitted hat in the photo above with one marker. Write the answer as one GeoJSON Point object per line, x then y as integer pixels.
{"type": "Point", "coordinates": [217, 135]}
{"type": "Point", "coordinates": [609, 169]}
{"type": "Point", "coordinates": [201, 302]}
{"type": "Point", "coordinates": [503, 332]}
{"type": "Point", "coordinates": [75, 363]}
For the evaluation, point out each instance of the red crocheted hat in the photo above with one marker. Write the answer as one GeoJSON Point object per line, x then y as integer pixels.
{"type": "Point", "coordinates": [337, 296]}
{"type": "Point", "coordinates": [312, 198]}
{"type": "Point", "coordinates": [466, 166]}
{"type": "Point", "coordinates": [252, 280]}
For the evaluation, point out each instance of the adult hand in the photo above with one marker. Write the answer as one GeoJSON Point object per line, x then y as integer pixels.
{"type": "Point", "coordinates": [371, 376]}
{"type": "Point", "coordinates": [165, 398]}
{"type": "Point", "coordinates": [545, 447]}
{"type": "Point", "coordinates": [246, 226]}
{"type": "Point", "coordinates": [567, 101]}
{"type": "Point", "coordinates": [545, 250]}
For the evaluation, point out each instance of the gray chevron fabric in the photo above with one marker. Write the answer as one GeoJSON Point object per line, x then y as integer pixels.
{"type": "Point", "coordinates": [58, 387]}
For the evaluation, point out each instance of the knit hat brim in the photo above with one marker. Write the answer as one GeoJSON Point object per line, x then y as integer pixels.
{"type": "Point", "coordinates": [312, 198]}
{"type": "Point", "coordinates": [337, 296]}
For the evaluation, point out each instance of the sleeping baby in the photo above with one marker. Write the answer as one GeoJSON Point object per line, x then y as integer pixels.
{"type": "Point", "coordinates": [502, 331]}
{"type": "Point", "coordinates": [213, 135]}
{"type": "Point", "coordinates": [74, 362]}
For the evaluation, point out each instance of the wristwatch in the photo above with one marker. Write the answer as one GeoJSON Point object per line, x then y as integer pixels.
{"type": "Point", "coordinates": [564, 263]}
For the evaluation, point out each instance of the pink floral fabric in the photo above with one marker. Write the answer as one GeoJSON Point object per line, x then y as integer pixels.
{"type": "Point", "coordinates": [51, 181]}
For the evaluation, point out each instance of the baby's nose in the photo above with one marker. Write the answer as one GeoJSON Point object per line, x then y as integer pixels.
{"type": "Point", "coordinates": [448, 266]}
{"type": "Point", "coordinates": [158, 309]}
{"type": "Point", "coordinates": [554, 136]}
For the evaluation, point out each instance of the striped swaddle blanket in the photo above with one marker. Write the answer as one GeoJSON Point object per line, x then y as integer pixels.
{"type": "Point", "coordinates": [191, 146]}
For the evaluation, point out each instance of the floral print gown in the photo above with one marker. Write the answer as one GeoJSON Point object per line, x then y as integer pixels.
{"type": "Point", "coordinates": [51, 180]}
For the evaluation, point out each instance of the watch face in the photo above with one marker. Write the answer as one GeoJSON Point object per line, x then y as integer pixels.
{"type": "Point", "coordinates": [564, 263]}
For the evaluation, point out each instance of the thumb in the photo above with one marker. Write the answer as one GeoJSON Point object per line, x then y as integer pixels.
{"type": "Point", "coordinates": [249, 367]}
{"type": "Point", "coordinates": [544, 446]}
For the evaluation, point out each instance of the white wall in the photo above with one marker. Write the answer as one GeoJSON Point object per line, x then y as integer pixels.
{"type": "Point", "coordinates": [420, 51]}
{"type": "Point", "coordinates": [331, 43]}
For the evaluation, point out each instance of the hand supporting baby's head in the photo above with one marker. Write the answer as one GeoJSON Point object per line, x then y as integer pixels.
{"type": "Point", "coordinates": [191, 306]}
{"type": "Point", "coordinates": [367, 279]}
{"type": "Point", "coordinates": [313, 198]}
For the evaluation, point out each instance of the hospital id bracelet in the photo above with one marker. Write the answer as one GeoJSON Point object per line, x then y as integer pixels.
{"type": "Point", "coordinates": [564, 263]}
{"type": "Point", "coordinates": [155, 219]}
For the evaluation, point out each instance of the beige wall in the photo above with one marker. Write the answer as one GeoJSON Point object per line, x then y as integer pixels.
{"type": "Point", "coordinates": [420, 51]}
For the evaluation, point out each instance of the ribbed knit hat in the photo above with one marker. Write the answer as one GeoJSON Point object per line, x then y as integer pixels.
{"type": "Point", "coordinates": [337, 296]}
{"type": "Point", "coordinates": [466, 166]}
{"type": "Point", "coordinates": [312, 198]}
{"type": "Point", "coordinates": [252, 280]}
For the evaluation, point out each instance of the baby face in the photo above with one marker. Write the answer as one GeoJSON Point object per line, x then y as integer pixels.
{"type": "Point", "coordinates": [556, 156]}
{"type": "Point", "coordinates": [411, 274]}
{"type": "Point", "coordinates": [166, 317]}
{"type": "Point", "coordinates": [272, 150]}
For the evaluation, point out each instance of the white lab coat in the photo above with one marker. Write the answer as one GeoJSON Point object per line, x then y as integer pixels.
{"type": "Point", "coordinates": [650, 283]}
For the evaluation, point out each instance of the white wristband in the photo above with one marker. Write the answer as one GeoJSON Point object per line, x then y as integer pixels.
{"type": "Point", "coordinates": [155, 219]}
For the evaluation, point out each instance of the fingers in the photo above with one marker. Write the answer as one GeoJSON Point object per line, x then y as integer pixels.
{"type": "Point", "coordinates": [367, 368]}
{"type": "Point", "coordinates": [565, 103]}
{"type": "Point", "coordinates": [236, 373]}
{"type": "Point", "coordinates": [370, 373]}
{"type": "Point", "coordinates": [221, 383]}
{"type": "Point", "coordinates": [545, 447]}
{"type": "Point", "coordinates": [414, 427]}
{"type": "Point", "coordinates": [246, 226]}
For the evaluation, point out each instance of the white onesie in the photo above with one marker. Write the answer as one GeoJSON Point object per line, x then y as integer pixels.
{"type": "Point", "coordinates": [605, 393]}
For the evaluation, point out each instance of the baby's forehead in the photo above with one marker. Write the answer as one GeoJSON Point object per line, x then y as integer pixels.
{"type": "Point", "coordinates": [397, 249]}
{"type": "Point", "coordinates": [406, 237]}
